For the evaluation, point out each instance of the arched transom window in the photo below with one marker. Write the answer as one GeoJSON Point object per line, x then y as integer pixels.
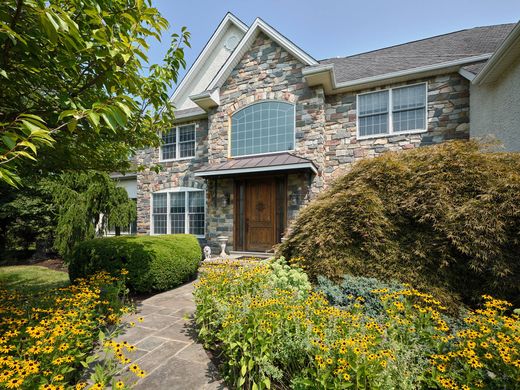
{"type": "Point", "coordinates": [263, 127]}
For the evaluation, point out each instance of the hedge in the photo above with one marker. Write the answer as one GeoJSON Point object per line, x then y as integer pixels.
{"type": "Point", "coordinates": [154, 263]}
{"type": "Point", "coordinates": [444, 218]}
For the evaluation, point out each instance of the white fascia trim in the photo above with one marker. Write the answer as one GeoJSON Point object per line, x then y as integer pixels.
{"type": "Point", "coordinates": [466, 74]}
{"type": "Point", "coordinates": [389, 77]}
{"type": "Point", "coordinates": [258, 169]}
{"type": "Point", "coordinates": [247, 40]}
{"type": "Point", "coordinates": [503, 52]}
{"type": "Point", "coordinates": [229, 18]}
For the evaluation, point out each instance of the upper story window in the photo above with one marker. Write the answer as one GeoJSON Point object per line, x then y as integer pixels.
{"type": "Point", "coordinates": [178, 143]}
{"type": "Point", "coordinates": [392, 111]}
{"type": "Point", "coordinates": [179, 211]}
{"type": "Point", "coordinates": [263, 127]}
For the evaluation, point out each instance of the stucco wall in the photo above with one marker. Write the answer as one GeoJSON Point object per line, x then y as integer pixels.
{"type": "Point", "coordinates": [495, 109]}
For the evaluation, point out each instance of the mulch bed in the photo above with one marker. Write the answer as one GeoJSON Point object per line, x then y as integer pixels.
{"type": "Point", "coordinates": [55, 264]}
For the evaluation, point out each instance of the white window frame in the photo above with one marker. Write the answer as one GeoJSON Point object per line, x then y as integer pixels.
{"type": "Point", "coordinates": [168, 214]}
{"type": "Point", "coordinates": [265, 153]}
{"type": "Point", "coordinates": [391, 131]}
{"type": "Point", "coordinates": [177, 144]}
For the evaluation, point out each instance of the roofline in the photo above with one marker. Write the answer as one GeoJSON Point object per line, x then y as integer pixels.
{"type": "Point", "coordinates": [247, 40]}
{"type": "Point", "coordinates": [282, 167]}
{"type": "Point", "coordinates": [229, 17]}
{"type": "Point", "coordinates": [506, 50]}
{"type": "Point", "coordinates": [414, 41]}
{"type": "Point", "coordinates": [330, 86]}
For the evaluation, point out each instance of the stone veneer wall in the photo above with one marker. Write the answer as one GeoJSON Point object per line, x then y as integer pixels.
{"type": "Point", "coordinates": [448, 118]}
{"type": "Point", "coordinates": [174, 174]}
{"type": "Point", "coordinates": [325, 132]}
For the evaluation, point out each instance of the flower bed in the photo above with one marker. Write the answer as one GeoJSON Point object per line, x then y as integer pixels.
{"type": "Point", "coordinates": [46, 339]}
{"type": "Point", "coordinates": [274, 332]}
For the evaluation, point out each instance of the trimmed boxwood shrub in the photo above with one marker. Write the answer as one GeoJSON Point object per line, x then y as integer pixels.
{"type": "Point", "coordinates": [154, 263]}
{"type": "Point", "coordinates": [443, 218]}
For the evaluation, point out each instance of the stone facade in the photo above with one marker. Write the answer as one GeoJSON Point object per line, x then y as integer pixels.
{"type": "Point", "coordinates": [173, 174]}
{"type": "Point", "coordinates": [325, 133]}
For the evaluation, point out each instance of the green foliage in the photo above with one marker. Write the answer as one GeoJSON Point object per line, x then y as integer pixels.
{"type": "Point", "coordinates": [444, 218]}
{"type": "Point", "coordinates": [27, 220]}
{"type": "Point", "coordinates": [154, 263]}
{"type": "Point", "coordinates": [276, 338]}
{"type": "Point", "coordinates": [86, 203]}
{"type": "Point", "coordinates": [355, 289]}
{"type": "Point", "coordinates": [76, 88]}
{"type": "Point", "coordinates": [286, 277]}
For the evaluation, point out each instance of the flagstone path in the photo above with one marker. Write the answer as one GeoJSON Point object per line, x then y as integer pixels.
{"type": "Point", "coordinates": [166, 343]}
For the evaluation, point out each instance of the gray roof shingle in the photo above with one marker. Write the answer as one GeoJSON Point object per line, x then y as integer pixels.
{"type": "Point", "coordinates": [448, 47]}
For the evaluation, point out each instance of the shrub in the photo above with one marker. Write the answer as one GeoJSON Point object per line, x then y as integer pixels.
{"type": "Point", "coordinates": [154, 263]}
{"type": "Point", "coordinates": [444, 218]}
{"type": "Point", "coordinates": [286, 277]}
{"type": "Point", "coordinates": [356, 289]}
{"type": "Point", "coordinates": [276, 338]}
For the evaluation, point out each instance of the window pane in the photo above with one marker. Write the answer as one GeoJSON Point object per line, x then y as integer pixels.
{"type": "Point", "coordinates": [159, 224]}
{"type": "Point", "coordinates": [177, 202]}
{"type": "Point", "coordinates": [262, 128]}
{"type": "Point", "coordinates": [168, 152]}
{"type": "Point", "coordinates": [196, 201]}
{"type": "Point", "coordinates": [159, 203]}
{"type": "Point", "coordinates": [169, 137]}
{"type": "Point", "coordinates": [178, 225]}
{"type": "Point", "coordinates": [373, 103]}
{"type": "Point", "coordinates": [409, 120]}
{"type": "Point", "coordinates": [197, 224]}
{"type": "Point", "coordinates": [373, 125]}
{"type": "Point", "coordinates": [177, 212]}
{"type": "Point", "coordinates": [409, 97]}
{"type": "Point", "coordinates": [187, 141]}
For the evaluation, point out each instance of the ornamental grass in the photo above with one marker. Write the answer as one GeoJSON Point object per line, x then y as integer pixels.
{"type": "Point", "coordinates": [47, 339]}
{"type": "Point", "coordinates": [287, 337]}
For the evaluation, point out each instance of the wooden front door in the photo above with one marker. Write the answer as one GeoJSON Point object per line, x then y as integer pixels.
{"type": "Point", "coordinates": [260, 214]}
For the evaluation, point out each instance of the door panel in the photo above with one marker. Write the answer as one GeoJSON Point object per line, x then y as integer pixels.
{"type": "Point", "coordinates": [260, 215]}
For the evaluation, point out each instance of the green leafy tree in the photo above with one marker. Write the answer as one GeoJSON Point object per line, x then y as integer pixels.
{"type": "Point", "coordinates": [27, 220]}
{"type": "Point", "coordinates": [87, 204]}
{"type": "Point", "coordinates": [73, 94]}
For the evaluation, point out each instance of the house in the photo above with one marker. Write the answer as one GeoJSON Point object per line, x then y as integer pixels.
{"type": "Point", "coordinates": [495, 85]}
{"type": "Point", "coordinates": [262, 126]}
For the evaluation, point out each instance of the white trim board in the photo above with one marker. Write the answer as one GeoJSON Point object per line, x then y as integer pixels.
{"type": "Point", "coordinates": [208, 48]}
{"type": "Point", "coordinates": [258, 26]}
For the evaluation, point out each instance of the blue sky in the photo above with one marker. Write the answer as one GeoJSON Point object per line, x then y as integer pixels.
{"type": "Point", "coordinates": [330, 28]}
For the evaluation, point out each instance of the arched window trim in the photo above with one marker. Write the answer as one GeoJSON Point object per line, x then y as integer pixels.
{"type": "Point", "coordinates": [230, 130]}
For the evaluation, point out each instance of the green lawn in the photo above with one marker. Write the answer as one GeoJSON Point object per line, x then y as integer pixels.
{"type": "Point", "coordinates": [32, 278]}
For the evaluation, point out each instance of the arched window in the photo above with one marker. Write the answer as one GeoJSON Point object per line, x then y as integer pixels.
{"type": "Point", "coordinates": [263, 127]}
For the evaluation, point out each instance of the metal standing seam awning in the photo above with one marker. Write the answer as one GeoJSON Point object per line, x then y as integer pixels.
{"type": "Point", "coordinates": [257, 164]}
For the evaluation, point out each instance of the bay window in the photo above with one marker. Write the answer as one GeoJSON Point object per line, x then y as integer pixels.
{"type": "Point", "coordinates": [180, 211]}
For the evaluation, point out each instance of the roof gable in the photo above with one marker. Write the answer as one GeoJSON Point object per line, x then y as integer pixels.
{"type": "Point", "coordinates": [247, 41]}
{"type": "Point", "coordinates": [209, 61]}
{"type": "Point", "coordinates": [505, 55]}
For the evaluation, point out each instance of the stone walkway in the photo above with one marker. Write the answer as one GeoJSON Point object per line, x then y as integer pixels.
{"type": "Point", "coordinates": [166, 344]}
